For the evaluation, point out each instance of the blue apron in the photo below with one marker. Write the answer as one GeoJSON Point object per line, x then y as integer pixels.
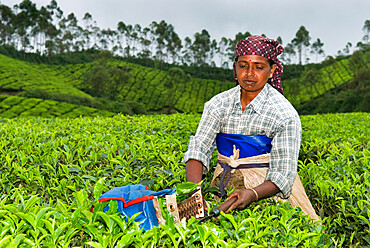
{"type": "Point", "coordinates": [248, 145]}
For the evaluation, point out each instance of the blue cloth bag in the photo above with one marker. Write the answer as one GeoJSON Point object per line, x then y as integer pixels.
{"type": "Point", "coordinates": [133, 199]}
{"type": "Point", "coordinates": [249, 145]}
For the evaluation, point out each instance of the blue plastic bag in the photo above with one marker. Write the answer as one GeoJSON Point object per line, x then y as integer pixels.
{"type": "Point", "coordinates": [133, 199]}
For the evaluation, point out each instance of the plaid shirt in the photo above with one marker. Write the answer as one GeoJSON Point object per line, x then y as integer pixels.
{"type": "Point", "coordinates": [269, 114]}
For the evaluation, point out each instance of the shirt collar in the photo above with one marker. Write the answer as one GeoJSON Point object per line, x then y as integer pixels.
{"type": "Point", "coordinates": [257, 103]}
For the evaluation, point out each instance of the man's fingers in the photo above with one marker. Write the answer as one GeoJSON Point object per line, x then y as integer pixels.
{"type": "Point", "coordinates": [233, 194]}
{"type": "Point", "coordinates": [235, 205]}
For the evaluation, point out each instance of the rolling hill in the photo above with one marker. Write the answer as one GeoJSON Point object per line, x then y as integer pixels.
{"type": "Point", "coordinates": [57, 90]}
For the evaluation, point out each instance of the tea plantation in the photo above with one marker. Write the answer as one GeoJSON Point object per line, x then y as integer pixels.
{"type": "Point", "coordinates": [53, 170]}
{"type": "Point", "coordinates": [153, 88]}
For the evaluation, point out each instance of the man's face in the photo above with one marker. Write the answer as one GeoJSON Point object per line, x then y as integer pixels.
{"type": "Point", "coordinates": [253, 71]}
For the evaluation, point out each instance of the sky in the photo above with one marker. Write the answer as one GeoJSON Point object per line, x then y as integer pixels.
{"type": "Point", "coordinates": [334, 22]}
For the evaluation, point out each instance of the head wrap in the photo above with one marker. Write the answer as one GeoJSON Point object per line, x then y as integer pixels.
{"type": "Point", "coordinates": [268, 48]}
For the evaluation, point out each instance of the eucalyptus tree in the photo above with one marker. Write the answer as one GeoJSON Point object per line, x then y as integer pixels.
{"type": "Point", "coordinates": [88, 29]}
{"type": "Point", "coordinates": [365, 44]}
{"type": "Point", "coordinates": [289, 53]}
{"type": "Point", "coordinates": [121, 27]}
{"type": "Point", "coordinates": [201, 47]}
{"type": "Point", "coordinates": [126, 30]}
{"type": "Point", "coordinates": [166, 41]}
{"type": "Point", "coordinates": [301, 41]}
{"type": "Point", "coordinates": [280, 40]}
{"type": "Point", "coordinates": [186, 57]}
{"type": "Point", "coordinates": [174, 44]}
{"type": "Point", "coordinates": [52, 30]}
{"type": "Point", "coordinates": [223, 44]}
{"type": "Point", "coordinates": [70, 32]}
{"type": "Point", "coordinates": [212, 52]}
{"type": "Point", "coordinates": [347, 49]}
{"type": "Point", "coordinates": [43, 28]}
{"type": "Point", "coordinates": [135, 35]}
{"type": "Point", "coordinates": [159, 31]}
{"type": "Point", "coordinates": [232, 43]}
{"type": "Point", "coordinates": [366, 29]}
{"type": "Point", "coordinates": [107, 38]}
{"type": "Point", "coordinates": [6, 24]}
{"type": "Point", "coordinates": [316, 48]}
{"type": "Point", "coordinates": [24, 21]}
{"type": "Point", "coordinates": [145, 44]}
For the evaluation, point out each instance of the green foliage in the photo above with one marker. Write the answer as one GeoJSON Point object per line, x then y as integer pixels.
{"type": "Point", "coordinates": [103, 80]}
{"type": "Point", "coordinates": [348, 97]}
{"type": "Point", "coordinates": [15, 106]}
{"type": "Point", "coordinates": [53, 170]}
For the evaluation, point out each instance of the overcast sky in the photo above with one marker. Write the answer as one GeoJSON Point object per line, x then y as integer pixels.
{"type": "Point", "coordinates": [335, 22]}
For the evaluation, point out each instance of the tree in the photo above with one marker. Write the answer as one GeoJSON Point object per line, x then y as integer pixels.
{"type": "Point", "coordinates": [200, 47]}
{"type": "Point", "coordinates": [6, 25]}
{"type": "Point", "coordinates": [88, 30]}
{"type": "Point", "coordinates": [222, 52]}
{"type": "Point", "coordinates": [104, 80]}
{"type": "Point", "coordinates": [288, 53]}
{"type": "Point", "coordinates": [347, 50]}
{"type": "Point", "coordinates": [145, 44]}
{"type": "Point", "coordinates": [301, 40]}
{"type": "Point", "coordinates": [280, 40]}
{"type": "Point", "coordinates": [317, 48]}
{"type": "Point", "coordinates": [366, 29]}
{"type": "Point", "coordinates": [173, 44]}
{"type": "Point", "coordinates": [52, 30]}
{"type": "Point", "coordinates": [24, 21]}
{"type": "Point", "coordinates": [232, 43]}
{"type": "Point", "coordinates": [365, 45]}
{"type": "Point", "coordinates": [187, 58]}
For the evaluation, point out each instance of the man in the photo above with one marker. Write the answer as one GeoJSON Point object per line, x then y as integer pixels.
{"type": "Point", "coordinates": [257, 119]}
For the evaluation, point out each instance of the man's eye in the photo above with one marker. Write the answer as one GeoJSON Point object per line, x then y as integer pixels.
{"type": "Point", "coordinates": [241, 66]}
{"type": "Point", "coordinates": [259, 67]}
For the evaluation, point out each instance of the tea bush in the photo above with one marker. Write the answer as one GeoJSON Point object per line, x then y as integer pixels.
{"type": "Point", "coordinates": [54, 169]}
{"type": "Point", "coordinates": [15, 106]}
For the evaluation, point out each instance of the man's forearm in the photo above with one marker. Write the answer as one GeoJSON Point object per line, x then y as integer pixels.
{"type": "Point", "coordinates": [194, 171]}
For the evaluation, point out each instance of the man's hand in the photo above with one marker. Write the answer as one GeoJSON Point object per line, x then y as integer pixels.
{"type": "Point", "coordinates": [245, 197]}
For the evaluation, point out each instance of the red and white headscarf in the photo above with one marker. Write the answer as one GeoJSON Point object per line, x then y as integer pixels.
{"type": "Point", "coordinates": [268, 48]}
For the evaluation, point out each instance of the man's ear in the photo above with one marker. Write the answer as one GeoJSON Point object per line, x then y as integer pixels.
{"type": "Point", "coordinates": [273, 68]}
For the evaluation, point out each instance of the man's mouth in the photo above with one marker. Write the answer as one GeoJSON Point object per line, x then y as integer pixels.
{"type": "Point", "coordinates": [248, 82]}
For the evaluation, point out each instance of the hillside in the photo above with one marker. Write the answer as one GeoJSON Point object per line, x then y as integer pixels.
{"type": "Point", "coordinates": [64, 83]}
{"type": "Point", "coordinates": [151, 88]}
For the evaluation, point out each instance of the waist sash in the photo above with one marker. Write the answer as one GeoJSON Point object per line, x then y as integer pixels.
{"type": "Point", "coordinates": [246, 146]}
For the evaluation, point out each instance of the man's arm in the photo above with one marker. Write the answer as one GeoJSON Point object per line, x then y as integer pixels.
{"type": "Point", "coordinates": [282, 171]}
{"type": "Point", "coordinates": [194, 171]}
{"type": "Point", "coordinates": [201, 145]}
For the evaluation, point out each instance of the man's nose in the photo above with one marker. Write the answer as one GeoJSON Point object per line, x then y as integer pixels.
{"type": "Point", "coordinates": [250, 71]}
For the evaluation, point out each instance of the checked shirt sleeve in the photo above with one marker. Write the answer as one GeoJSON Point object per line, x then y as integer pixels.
{"type": "Point", "coordinates": [203, 143]}
{"type": "Point", "coordinates": [284, 157]}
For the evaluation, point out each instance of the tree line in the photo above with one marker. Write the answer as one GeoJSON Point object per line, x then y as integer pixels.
{"type": "Point", "coordinates": [47, 31]}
